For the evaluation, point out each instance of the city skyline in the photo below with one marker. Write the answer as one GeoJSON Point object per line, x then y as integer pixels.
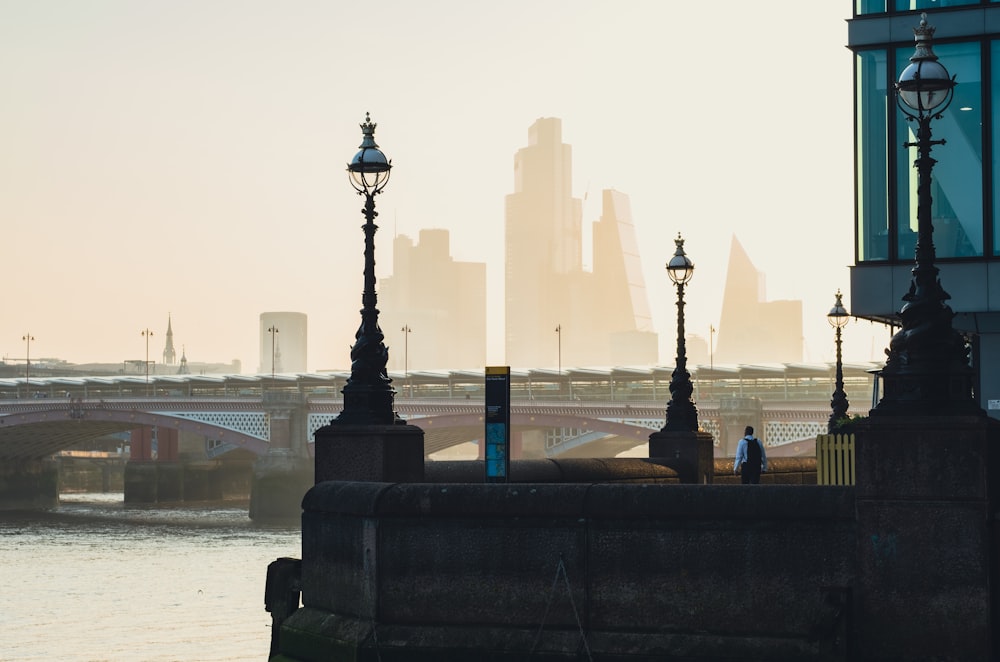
{"type": "Point", "coordinates": [188, 160]}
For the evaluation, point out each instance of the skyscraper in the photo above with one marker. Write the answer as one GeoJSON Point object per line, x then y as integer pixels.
{"type": "Point", "coordinates": [543, 247]}
{"type": "Point", "coordinates": [440, 300]}
{"type": "Point", "coordinates": [752, 329]}
{"type": "Point", "coordinates": [602, 316]}
{"type": "Point", "coordinates": [619, 288]}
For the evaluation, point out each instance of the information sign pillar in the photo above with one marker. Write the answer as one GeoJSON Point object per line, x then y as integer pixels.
{"type": "Point", "coordinates": [497, 451]}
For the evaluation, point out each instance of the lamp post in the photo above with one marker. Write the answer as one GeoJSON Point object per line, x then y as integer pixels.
{"type": "Point", "coordinates": [273, 330]}
{"type": "Point", "coordinates": [148, 334]}
{"type": "Point", "coordinates": [406, 355]}
{"type": "Point", "coordinates": [681, 412]}
{"type": "Point", "coordinates": [559, 349]}
{"type": "Point", "coordinates": [368, 394]}
{"type": "Point", "coordinates": [927, 367]}
{"type": "Point", "coordinates": [838, 317]}
{"type": "Point", "coordinates": [711, 347]}
{"type": "Point", "coordinates": [27, 338]}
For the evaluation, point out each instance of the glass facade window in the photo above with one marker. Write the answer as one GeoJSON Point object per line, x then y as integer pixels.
{"type": "Point", "coordinates": [956, 183]}
{"type": "Point", "coordinates": [910, 5]}
{"type": "Point", "coordinates": [872, 97]}
{"type": "Point", "coordinates": [995, 123]}
{"type": "Point", "coordinates": [886, 176]}
{"type": "Point", "coordinates": [863, 7]}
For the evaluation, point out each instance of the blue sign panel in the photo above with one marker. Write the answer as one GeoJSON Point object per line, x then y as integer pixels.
{"type": "Point", "coordinates": [497, 439]}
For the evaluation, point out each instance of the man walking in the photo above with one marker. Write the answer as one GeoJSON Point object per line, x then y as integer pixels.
{"type": "Point", "coordinates": [750, 458]}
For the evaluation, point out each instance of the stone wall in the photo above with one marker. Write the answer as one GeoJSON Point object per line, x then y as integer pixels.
{"type": "Point", "coordinates": [456, 571]}
{"type": "Point", "coordinates": [613, 560]}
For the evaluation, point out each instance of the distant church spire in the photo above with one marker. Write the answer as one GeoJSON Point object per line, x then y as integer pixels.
{"type": "Point", "coordinates": [169, 355]}
{"type": "Point", "coordinates": [183, 370]}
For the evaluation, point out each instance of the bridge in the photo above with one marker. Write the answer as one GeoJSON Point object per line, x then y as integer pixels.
{"type": "Point", "coordinates": [197, 437]}
{"type": "Point", "coordinates": [37, 428]}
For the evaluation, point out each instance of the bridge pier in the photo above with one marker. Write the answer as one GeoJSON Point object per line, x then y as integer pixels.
{"type": "Point", "coordinates": [90, 474]}
{"type": "Point", "coordinates": [283, 476]}
{"type": "Point", "coordinates": [29, 484]}
{"type": "Point", "coordinates": [690, 454]}
{"type": "Point", "coordinates": [736, 414]}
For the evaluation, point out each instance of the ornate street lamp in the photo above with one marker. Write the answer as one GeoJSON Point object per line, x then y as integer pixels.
{"type": "Point", "coordinates": [838, 318]}
{"type": "Point", "coordinates": [681, 412]}
{"type": "Point", "coordinates": [368, 394]}
{"type": "Point", "coordinates": [927, 367]}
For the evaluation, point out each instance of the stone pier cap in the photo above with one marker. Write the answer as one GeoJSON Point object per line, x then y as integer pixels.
{"type": "Point", "coordinates": [598, 500]}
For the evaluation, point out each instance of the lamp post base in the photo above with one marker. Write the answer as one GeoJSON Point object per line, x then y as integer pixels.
{"type": "Point", "coordinates": [930, 389]}
{"type": "Point", "coordinates": [372, 453]}
{"type": "Point", "coordinates": [690, 453]}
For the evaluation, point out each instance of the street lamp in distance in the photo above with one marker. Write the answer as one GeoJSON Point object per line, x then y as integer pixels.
{"type": "Point", "coordinates": [147, 334]}
{"type": "Point", "coordinates": [27, 338]}
{"type": "Point", "coordinates": [559, 349]}
{"type": "Point", "coordinates": [681, 412]}
{"type": "Point", "coordinates": [273, 330]}
{"type": "Point", "coordinates": [406, 355]}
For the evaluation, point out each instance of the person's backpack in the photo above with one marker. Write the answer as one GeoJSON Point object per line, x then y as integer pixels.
{"type": "Point", "coordinates": [753, 454]}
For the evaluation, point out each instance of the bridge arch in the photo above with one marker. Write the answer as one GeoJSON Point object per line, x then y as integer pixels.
{"type": "Point", "coordinates": [443, 431]}
{"type": "Point", "coordinates": [41, 432]}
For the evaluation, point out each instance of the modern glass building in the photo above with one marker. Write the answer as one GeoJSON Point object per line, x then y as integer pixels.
{"type": "Point", "coordinates": [966, 177]}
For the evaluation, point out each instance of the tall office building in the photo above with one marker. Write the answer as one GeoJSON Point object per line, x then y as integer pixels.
{"type": "Point", "coordinates": [440, 300]}
{"type": "Point", "coordinates": [602, 316]}
{"type": "Point", "coordinates": [965, 186]}
{"type": "Point", "coordinates": [283, 342]}
{"type": "Point", "coordinates": [619, 289]}
{"type": "Point", "coordinates": [752, 329]}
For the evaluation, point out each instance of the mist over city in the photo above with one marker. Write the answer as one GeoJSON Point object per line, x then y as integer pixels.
{"type": "Point", "coordinates": [186, 164]}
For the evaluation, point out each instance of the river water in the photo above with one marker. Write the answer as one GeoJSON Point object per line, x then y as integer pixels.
{"type": "Point", "coordinates": [94, 580]}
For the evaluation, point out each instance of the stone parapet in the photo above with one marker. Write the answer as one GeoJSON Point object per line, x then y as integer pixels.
{"type": "Point", "coordinates": [630, 564]}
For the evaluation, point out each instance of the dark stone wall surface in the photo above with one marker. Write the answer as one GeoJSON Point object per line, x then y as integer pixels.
{"type": "Point", "coordinates": [696, 567]}
{"type": "Point", "coordinates": [616, 560]}
{"type": "Point", "coordinates": [927, 554]}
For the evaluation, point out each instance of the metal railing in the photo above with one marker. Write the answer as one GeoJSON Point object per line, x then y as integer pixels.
{"type": "Point", "coordinates": [835, 459]}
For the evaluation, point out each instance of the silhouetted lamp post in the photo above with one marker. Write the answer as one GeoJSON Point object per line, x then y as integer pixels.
{"type": "Point", "coordinates": [273, 330]}
{"type": "Point", "coordinates": [927, 367]}
{"type": "Point", "coordinates": [27, 338]}
{"type": "Point", "coordinates": [838, 318]}
{"type": "Point", "coordinates": [148, 334]}
{"type": "Point", "coordinates": [368, 394]}
{"type": "Point", "coordinates": [681, 412]}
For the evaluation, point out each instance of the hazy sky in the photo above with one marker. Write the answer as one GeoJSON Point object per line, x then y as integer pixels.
{"type": "Point", "coordinates": [188, 157]}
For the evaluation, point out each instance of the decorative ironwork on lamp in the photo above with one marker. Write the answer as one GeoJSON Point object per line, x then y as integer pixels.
{"type": "Point", "coordinates": [681, 412]}
{"type": "Point", "coordinates": [368, 394]}
{"type": "Point", "coordinates": [927, 368]}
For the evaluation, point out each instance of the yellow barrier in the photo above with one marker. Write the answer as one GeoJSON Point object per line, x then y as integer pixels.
{"type": "Point", "coordinates": [835, 459]}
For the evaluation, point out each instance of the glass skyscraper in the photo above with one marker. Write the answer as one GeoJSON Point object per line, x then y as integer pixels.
{"type": "Point", "coordinates": [965, 179]}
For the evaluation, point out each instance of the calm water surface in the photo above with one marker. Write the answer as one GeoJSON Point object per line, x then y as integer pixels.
{"type": "Point", "coordinates": [94, 580]}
